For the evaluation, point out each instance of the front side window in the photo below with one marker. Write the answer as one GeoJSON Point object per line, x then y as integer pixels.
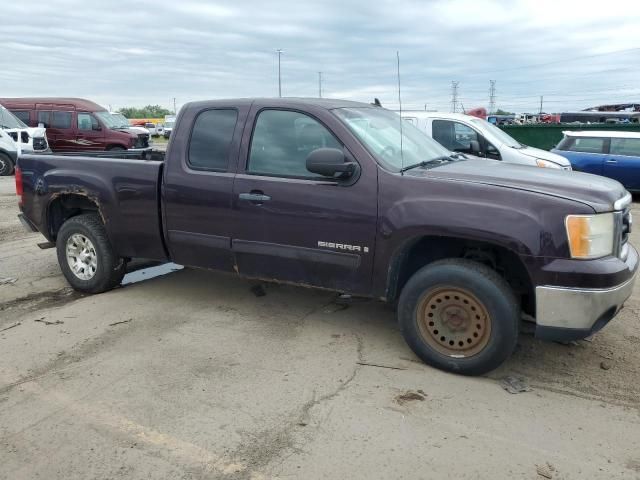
{"type": "Point", "coordinates": [211, 139]}
{"type": "Point", "coordinates": [587, 145]}
{"type": "Point", "coordinates": [629, 147]}
{"type": "Point", "coordinates": [282, 140]}
{"type": "Point", "coordinates": [87, 121]}
{"type": "Point", "coordinates": [454, 136]}
{"type": "Point", "coordinates": [61, 120]}
{"type": "Point", "coordinates": [44, 118]}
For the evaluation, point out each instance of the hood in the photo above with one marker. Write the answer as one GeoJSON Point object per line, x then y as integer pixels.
{"type": "Point", "coordinates": [544, 155]}
{"type": "Point", "coordinates": [598, 192]}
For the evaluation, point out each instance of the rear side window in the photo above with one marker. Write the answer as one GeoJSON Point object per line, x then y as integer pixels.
{"type": "Point", "coordinates": [282, 140]}
{"type": "Point", "coordinates": [43, 117]}
{"type": "Point", "coordinates": [22, 115]}
{"type": "Point", "coordinates": [61, 120]}
{"type": "Point", "coordinates": [211, 139]}
{"type": "Point", "coordinates": [625, 146]}
{"type": "Point", "coordinates": [587, 145]}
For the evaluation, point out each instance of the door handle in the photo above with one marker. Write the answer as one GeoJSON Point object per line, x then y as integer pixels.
{"type": "Point", "coordinates": [611, 160]}
{"type": "Point", "coordinates": [254, 197]}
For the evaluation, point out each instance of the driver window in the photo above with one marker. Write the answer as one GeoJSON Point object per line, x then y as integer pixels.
{"type": "Point", "coordinates": [87, 122]}
{"type": "Point", "coordinates": [282, 140]}
{"type": "Point", "coordinates": [454, 136]}
{"type": "Point", "coordinates": [464, 135]}
{"type": "Point", "coordinates": [493, 152]}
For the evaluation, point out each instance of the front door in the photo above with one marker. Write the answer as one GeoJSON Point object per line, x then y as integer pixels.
{"type": "Point", "coordinates": [60, 129]}
{"type": "Point", "coordinates": [89, 133]}
{"type": "Point", "coordinates": [296, 226]}
{"type": "Point", "coordinates": [623, 162]}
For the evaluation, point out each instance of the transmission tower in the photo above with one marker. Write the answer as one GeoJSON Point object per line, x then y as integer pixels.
{"type": "Point", "coordinates": [492, 96]}
{"type": "Point", "coordinates": [454, 96]}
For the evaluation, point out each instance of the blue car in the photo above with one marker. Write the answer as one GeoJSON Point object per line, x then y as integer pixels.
{"type": "Point", "coordinates": [611, 154]}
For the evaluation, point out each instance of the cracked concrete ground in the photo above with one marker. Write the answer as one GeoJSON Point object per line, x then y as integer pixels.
{"type": "Point", "coordinates": [200, 379]}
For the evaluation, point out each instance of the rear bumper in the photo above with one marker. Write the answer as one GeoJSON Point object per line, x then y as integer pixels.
{"type": "Point", "coordinates": [573, 313]}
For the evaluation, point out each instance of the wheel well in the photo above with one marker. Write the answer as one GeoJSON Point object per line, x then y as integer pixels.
{"type": "Point", "coordinates": [424, 250]}
{"type": "Point", "coordinates": [65, 207]}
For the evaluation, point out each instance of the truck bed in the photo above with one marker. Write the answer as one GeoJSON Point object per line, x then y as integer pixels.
{"type": "Point", "coordinates": [125, 192]}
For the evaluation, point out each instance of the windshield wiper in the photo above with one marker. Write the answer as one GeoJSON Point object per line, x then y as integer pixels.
{"type": "Point", "coordinates": [433, 161]}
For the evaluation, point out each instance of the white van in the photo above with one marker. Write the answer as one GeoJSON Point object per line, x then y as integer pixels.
{"type": "Point", "coordinates": [27, 139]}
{"type": "Point", "coordinates": [8, 153]}
{"type": "Point", "coordinates": [463, 133]}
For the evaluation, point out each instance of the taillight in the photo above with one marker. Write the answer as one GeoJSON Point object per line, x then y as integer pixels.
{"type": "Point", "coordinates": [19, 188]}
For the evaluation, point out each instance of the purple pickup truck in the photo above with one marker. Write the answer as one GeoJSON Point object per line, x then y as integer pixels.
{"type": "Point", "coordinates": [342, 196]}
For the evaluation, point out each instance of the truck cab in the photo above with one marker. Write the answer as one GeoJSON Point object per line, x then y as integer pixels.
{"type": "Point", "coordinates": [466, 134]}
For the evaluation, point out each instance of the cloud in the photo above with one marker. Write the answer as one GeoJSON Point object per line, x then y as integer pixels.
{"type": "Point", "coordinates": [135, 53]}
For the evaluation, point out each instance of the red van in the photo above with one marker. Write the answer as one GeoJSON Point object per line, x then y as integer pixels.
{"type": "Point", "coordinates": [76, 125]}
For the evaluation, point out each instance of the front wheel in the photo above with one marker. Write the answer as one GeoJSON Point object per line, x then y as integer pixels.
{"type": "Point", "coordinates": [86, 257]}
{"type": "Point", "coordinates": [6, 165]}
{"type": "Point", "coordinates": [459, 316]}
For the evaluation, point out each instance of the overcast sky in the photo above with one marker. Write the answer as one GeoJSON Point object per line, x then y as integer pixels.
{"type": "Point", "coordinates": [133, 53]}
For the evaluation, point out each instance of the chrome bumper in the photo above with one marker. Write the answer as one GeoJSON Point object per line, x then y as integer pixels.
{"type": "Point", "coordinates": [572, 313]}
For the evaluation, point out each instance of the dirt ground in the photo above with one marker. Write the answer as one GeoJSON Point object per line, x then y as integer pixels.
{"type": "Point", "coordinates": [191, 375]}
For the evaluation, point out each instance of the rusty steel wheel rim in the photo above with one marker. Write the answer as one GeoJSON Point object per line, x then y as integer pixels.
{"type": "Point", "coordinates": [453, 322]}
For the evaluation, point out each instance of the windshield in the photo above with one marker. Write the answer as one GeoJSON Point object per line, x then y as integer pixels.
{"type": "Point", "coordinates": [111, 120]}
{"type": "Point", "coordinates": [9, 120]}
{"type": "Point", "coordinates": [379, 130]}
{"type": "Point", "coordinates": [124, 123]}
{"type": "Point", "coordinates": [497, 133]}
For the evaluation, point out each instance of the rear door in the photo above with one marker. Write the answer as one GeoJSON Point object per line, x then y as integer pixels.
{"type": "Point", "coordinates": [293, 225]}
{"type": "Point", "coordinates": [198, 181]}
{"type": "Point", "coordinates": [623, 162]}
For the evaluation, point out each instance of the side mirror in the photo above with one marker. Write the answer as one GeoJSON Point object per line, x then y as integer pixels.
{"type": "Point", "coordinates": [474, 146]}
{"type": "Point", "coordinates": [330, 162]}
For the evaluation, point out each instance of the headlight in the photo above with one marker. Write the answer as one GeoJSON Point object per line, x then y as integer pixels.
{"type": "Point", "coordinates": [590, 236]}
{"type": "Point", "coordinates": [546, 163]}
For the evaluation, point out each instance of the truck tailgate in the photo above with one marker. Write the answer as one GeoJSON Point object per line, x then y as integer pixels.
{"type": "Point", "coordinates": [126, 193]}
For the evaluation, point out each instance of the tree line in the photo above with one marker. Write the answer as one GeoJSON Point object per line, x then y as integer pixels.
{"type": "Point", "coordinates": [150, 111]}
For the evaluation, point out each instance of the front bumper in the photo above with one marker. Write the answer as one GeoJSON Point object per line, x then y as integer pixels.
{"type": "Point", "coordinates": [564, 314]}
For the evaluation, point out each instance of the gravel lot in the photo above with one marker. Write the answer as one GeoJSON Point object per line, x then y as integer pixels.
{"type": "Point", "coordinates": [191, 375]}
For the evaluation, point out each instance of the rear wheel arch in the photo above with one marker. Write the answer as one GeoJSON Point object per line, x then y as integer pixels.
{"type": "Point", "coordinates": [420, 251]}
{"type": "Point", "coordinates": [66, 206]}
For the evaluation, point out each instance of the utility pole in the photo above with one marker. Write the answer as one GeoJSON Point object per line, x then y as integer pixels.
{"type": "Point", "coordinates": [319, 84]}
{"type": "Point", "coordinates": [279, 77]}
{"type": "Point", "coordinates": [454, 96]}
{"type": "Point", "coordinates": [174, 106]}
{"type": "Point", "coordinates": [541, 99]}
{"type": "Point", "coordinates": [492, 96]}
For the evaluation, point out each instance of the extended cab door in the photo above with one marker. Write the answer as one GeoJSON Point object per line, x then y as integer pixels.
{"type": "Point", "coordinates": [198, 181]}
{"type": "Point", "coordinates": [293, 225]}
{"type": "Point", "coordinates": [623, 162]}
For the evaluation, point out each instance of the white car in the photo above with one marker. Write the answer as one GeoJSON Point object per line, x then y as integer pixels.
{"type": "Point", "coordinates": [27, 139]}
{"type": "Point", "coordinates": [8, 153]}
{"type": "Point", "coordinates": [472, 135]}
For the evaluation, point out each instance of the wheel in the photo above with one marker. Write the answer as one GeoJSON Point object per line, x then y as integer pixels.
{"type": "Point", "coordinates": [116, 149]}
{"type": "Point", "coordinates": [86, 257]}
{"type": "Point", "coordinates": [459, 316]}
{"type": "Point", "coordinates": [6, 165]}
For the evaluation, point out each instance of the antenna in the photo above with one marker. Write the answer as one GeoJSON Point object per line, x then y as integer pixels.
{"type": "Point", "coordinates": [400, 103]}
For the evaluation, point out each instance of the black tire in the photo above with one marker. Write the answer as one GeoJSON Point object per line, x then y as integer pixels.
{"type": "Point", "coordinates": [485, 289]}
{"type": "Point", "coordinates": [6, 165]}
{"type": "Point", "coordinates": [109, 269]}
{"type": "Point", "coordinates": [116, 148]}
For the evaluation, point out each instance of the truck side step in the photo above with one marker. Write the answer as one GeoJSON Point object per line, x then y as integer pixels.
{"type": "Point", "coordinates": [45, 245]}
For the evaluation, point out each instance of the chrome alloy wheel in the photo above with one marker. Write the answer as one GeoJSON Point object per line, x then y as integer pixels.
{"type": "Point", "coordinates": [81, 256]}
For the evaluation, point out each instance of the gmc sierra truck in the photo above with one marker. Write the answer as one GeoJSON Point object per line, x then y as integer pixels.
{"type": "Point", "coordinates": [343, 196]}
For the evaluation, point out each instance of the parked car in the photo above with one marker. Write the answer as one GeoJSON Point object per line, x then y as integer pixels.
{"type": "Point", "coordinates": [169, 123]}
{"type": "Point", "coordinates": [76, 125]}
{"type": "Point", "coordinates": [462, 133]}
{"type": "Point", "coordinates": [8, 153]}
{"type": "Point", "coordinates": [27, 140]}
{"type": "Point", "coordinates": [342, 196]}
{"type": "Point", "coordinates": [151, 127]}
{"type": "Point", "coordinates": [611, 154]}
{"type": "Point", "coordinates": [125, 125]}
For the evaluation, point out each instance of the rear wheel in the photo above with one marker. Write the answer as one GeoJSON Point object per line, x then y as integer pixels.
{"type": "Point", "coordinates": [6, 165]}
{"type": "Point", "coordinates": [459, 316]}
{"type": "Point", "coordinates": [86, 257]}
